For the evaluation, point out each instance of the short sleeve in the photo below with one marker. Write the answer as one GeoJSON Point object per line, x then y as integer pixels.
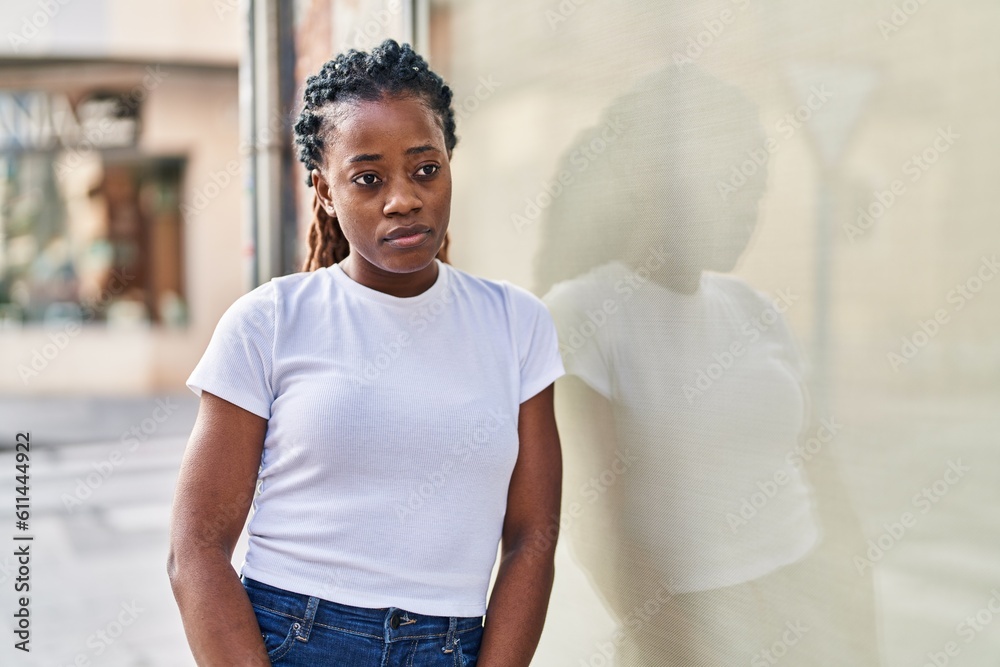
{"type": "Point", "coordinates": [237, 363]}
{"type": "Point", "coordinates": [537, 341]}
{"type": "Point", "coordinates": [771, 309]}
{"type": "Point", "coordinates": [581, 341]}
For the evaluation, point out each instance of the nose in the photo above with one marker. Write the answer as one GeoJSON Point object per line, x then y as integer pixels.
{"type": "Point", "coordinates": [401, 198]}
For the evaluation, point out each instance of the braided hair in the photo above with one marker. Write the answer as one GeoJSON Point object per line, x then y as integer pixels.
{"type": "Point", "coordinates": [389, 69]}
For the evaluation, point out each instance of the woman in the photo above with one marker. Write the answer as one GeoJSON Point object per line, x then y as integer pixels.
{"type": "Point", "coordinates": [397, 412]}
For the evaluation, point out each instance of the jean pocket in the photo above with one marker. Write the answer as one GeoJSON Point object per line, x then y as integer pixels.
{"type": "Point", "coordinates": [279, 630]}
{"type": "Point", "coordinates": [280, 633]}
{"type": "Point", "coordinates": [468, 647]}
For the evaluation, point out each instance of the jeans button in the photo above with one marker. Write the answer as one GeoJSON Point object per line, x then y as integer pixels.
{"type": "Point", "coordinates": [394, 621]}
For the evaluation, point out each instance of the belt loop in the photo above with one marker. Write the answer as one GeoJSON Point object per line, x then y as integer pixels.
{"type": "Point", "coordinates": [310, 615]}
{"type": "Point", "coordinates": [451, 639]}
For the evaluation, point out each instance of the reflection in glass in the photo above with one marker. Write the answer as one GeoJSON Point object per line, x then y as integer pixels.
{"type": "Point", "coordinates": [703, 498]}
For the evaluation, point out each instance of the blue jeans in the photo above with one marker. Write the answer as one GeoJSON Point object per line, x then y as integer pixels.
{"type": "Point", "coordinates": [305, 631]}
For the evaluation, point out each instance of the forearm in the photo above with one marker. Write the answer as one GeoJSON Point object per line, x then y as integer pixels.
{"type": "Point", "coordinates": [219, 622]}
{"type": "Point", "coordinates": [517, 607]}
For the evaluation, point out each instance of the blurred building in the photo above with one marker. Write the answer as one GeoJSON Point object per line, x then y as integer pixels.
{"type": "Point", "coordinates": [121, 175]}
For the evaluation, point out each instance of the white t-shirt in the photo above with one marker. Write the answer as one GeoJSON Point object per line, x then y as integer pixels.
{"type": "Point", "coordinates": [392, 430]}
{"type": "Point", "coordinates": [706, 426]}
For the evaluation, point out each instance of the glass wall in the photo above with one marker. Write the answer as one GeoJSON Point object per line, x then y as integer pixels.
{"type": "Point", "coordinates": [767, 234]}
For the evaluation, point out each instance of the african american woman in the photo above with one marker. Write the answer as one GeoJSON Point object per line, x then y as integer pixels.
{"type": "Point", "coordinates": [388, 416]}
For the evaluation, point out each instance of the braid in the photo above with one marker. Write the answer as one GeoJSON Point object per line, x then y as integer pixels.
{"type": "Point", "coordinates": [389, 69]}
{"type": "Point", "coordinates": [326, 244]}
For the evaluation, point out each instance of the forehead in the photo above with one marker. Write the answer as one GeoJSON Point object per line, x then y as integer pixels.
{"type": "Point", "coordinates": [385, 126]}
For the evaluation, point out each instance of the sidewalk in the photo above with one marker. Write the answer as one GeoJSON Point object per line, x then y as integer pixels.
{"type": "Point", "coordinates": [67, 420]}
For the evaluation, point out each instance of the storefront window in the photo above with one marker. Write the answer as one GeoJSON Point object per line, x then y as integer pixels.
{"type": "Point", "coordinates": [90, 228]}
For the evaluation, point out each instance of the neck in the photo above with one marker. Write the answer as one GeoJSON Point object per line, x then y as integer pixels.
{"type": "Point", "coordinates": [676, 279]}
{"type": "Point", "coordinates": [666, 269]}
{"type": "Point", "coordinates": [400, 285]}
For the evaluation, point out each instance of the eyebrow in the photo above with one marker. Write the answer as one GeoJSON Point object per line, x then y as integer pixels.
{"type": "Point", "coordinates": [375, 157]}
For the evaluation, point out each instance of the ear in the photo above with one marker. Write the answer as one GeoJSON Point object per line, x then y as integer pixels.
{"type": "Point", "coordinates": [322, 189]}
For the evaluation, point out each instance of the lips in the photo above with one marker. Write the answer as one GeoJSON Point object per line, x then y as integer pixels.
{"type": "Point", "coordinates": [400, 232]}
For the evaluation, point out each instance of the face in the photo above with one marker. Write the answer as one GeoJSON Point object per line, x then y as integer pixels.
{"type": "Point", "coordinates": [386, 169]}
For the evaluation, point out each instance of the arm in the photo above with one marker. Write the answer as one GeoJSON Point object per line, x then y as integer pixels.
{"type": "Point", "coordinates": [587, 431]}
{"type": "Point", "coordinates": [520, 598]}
{"type": "Point", "coordinates": [214, 490]}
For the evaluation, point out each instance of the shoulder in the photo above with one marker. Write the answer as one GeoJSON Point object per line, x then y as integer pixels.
{"type": "Point", "coordinates": [738, 290]}
{"type": "Point", "coordinates": [301, 294]}
{"type": "Point", "coordinates": [582, 291]}
{"type": "Point", "coordinates": [253, 309]}
{"type": "Point", "coordinates": [300, 283]}
{"type": "Point", "coordinates": [491, 293]}
{"type": "Point", "coordinates": [476, 285]}
{"type": "Point", "coordinates": [765, 311]}
{"type": "Point", "coordinates": [267, 293]}
{"type": "Point", "coordinates": [519, 306]}
{"type": "Point", "coordinates": [259, 307]}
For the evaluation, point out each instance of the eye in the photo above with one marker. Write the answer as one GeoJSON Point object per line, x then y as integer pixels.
{"type": "Point", "coordinates": [428, 170]}
{"type": "Point", "coordinates": [367, 180]}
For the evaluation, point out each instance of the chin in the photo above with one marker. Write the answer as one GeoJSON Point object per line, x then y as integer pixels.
{"type": "Point", "coordinates": [407, 261]}
{"type": "Point", "coordinates": [725, 262]}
